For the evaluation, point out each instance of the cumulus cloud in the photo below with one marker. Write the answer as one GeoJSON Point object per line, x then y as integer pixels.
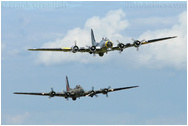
{"type": "Point", "coordinates": [152, 21]}
{"type": "Point", "coordinates": [171, 52]}
{"type": "Point", "coordinates": [110, 25]}
{"type": "Point", "coordinates": [165, 53]}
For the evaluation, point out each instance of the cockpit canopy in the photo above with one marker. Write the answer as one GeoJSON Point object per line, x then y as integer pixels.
{"type": "Point", "coordinates": [78, 86]}
{"type": "Point", "coordinates": [105, 39]}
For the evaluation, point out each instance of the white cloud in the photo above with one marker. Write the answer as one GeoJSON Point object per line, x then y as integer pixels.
{"type": "Point", "coordinates": [109, 25]}
{"type": "Point", "coordinates": [16, 119]}
{"type": "Point", "coordinates": [152, 21]}
{"type": "Point", "coordinates": [170, 53]}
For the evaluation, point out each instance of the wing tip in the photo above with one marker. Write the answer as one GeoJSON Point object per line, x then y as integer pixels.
{"type": "Point", "coordinates": [134, 86]}
{"type": "Point", "coordinates": [31, 49]}
{"type": "Point", "coordinates": [174, 36]}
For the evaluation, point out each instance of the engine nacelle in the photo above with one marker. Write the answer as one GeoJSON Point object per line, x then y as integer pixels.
{"type": "Point", "coordinates": [67, 94]}
{"type": "Point", "coordinates": [121, 46]}
{"type": "Point", "coordinates": [108, 44]}
{"type": "Point", "coordinates": [93, 49]}
{"type": "Point", "coordinates": [52, 93]}
{"type": "Point", "coordinates": [105, 91]}
{"type": "Point", "coordinates": [75, 49]}
{"type": "Point", "coordinates": [137, 43]}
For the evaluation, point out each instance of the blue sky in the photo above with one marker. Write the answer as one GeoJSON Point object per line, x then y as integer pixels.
{"type": "Point", "coordinates": [159, 69]}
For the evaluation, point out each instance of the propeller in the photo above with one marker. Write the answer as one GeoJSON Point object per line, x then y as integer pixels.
{"type": "Point", "coordinates": [52, 93]}
{"type": "Point", "coordinates": [121, 46]}
{"type": "Point", "coordinates": [137, 43]}
{"type": "Point", "coordinates": [106, 90]}
{"type": "Point", "coordinates": [92, 93]}
{"type": "Point", "coordinates": [75, 48]}
{"type": "Point", "coordinates": [67, 95]}
{"type": "Point", "coordinates": [93, 50]}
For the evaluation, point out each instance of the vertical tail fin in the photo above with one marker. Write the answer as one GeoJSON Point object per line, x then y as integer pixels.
{"type": "Point", "coordinates": [67, 84]}
{"type": "Point", "coordinates": [93, 38]}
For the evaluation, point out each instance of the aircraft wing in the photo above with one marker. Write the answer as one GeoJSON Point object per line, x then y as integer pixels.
{"type": "Point", "coordinates": [123, 88]}
{"type": "Point", "coordinates": [42, 94]}
{"type": "Point", "coordinates": [137, 43]}
{"type": "Point", "coordinates": [106, 90]}
{"type": "Point", "coordinates": [66, 49]}
{"type": "Point", "coordinates": [156, 40]}
{"type": "Point", "coordinates": [63, 49]}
